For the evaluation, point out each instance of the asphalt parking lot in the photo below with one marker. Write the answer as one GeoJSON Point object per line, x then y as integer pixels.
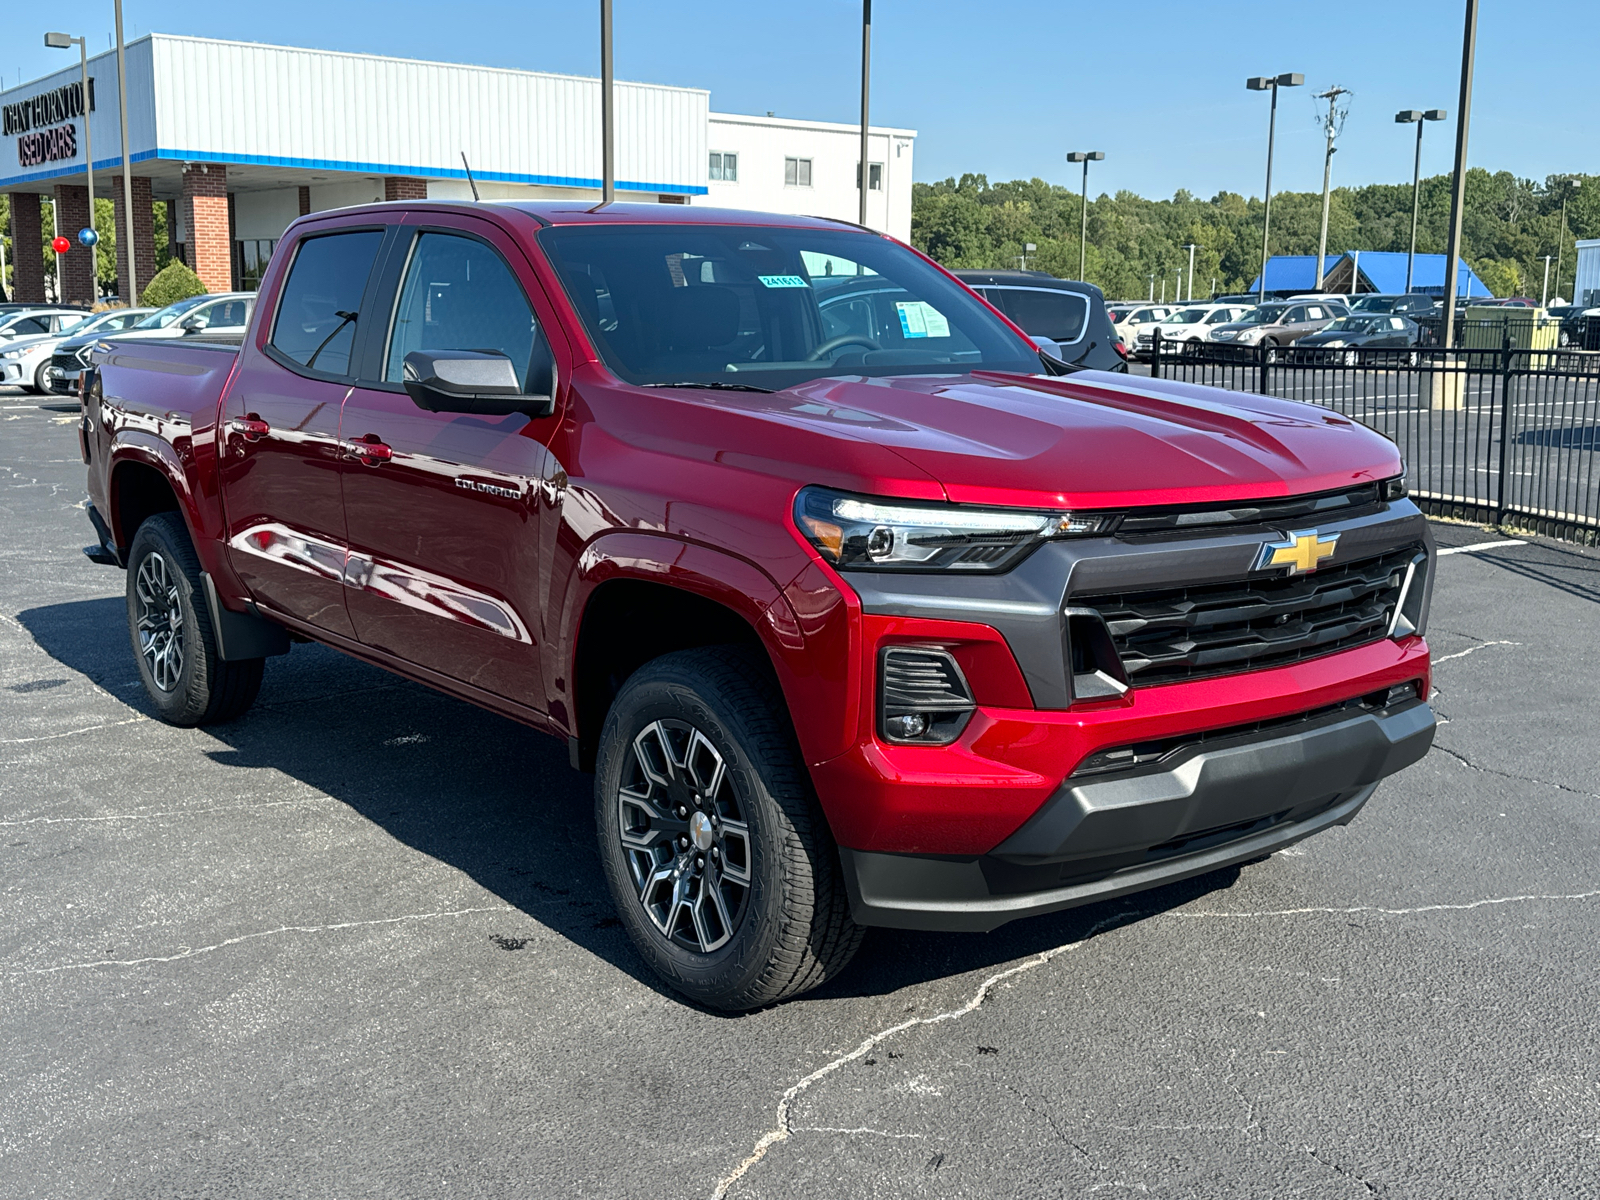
{"type": "Point", "coordinates": [357, 944]}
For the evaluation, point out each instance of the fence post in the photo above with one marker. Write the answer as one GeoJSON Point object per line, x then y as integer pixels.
{"type": "Point", "coordinates": [1505, 423]}
{"type": "Point", "coordinates": [1262, 354]}
{"type": "Point", "coordinates": [1155, 354]}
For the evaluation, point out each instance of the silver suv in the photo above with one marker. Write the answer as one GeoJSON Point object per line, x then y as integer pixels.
{"type": "Point", "coordinates": [1279, 322]}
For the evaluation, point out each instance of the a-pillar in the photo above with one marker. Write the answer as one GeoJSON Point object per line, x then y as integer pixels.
{"type": "Point", "coordinates": [205, 220]}
{"type": "Point", "coordinates": [402, 187]}
{"type": "Point", "coordinates": [27, 248]}
{"type": "Point", "coordinates": [144, 237]}
{"type": "Point", "coordinates": [75, 278]}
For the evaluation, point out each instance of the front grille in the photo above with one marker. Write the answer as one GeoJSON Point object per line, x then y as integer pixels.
{"type": "Point", "coordinates": [1178, 634]}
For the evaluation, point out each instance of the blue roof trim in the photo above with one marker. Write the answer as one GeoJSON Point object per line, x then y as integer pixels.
{"type": "Point", "coordinates": [102, 164]}
{"type": "Point", "coordinates": [365, 168]}
{"type": "Point", "coordinates": [1385, 270]}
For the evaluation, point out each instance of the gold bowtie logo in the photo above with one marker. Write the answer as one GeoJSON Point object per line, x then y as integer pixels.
{"type": "Point", "coordinates": [1301, 552]}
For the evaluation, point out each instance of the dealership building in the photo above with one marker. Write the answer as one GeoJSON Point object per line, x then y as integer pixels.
{"type": "Point", "coordinates": [238, 139]}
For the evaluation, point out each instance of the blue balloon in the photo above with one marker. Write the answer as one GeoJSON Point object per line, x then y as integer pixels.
{"type": "Point", "coordinates": [88, 237]}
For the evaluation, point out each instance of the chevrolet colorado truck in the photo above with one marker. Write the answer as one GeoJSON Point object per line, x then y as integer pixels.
{"type": "Point", "coordinates": [860, 611]}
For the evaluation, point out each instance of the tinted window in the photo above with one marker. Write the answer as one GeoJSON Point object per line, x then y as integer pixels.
{"type": "Point", "coordinates": [458, 294]}
{"type": "Point", "coordinates": [1057, 315]}
{"type": "Point", "coordinates": [771, 306]}
{"type": "Point", "coordinates": [315, 326]}
{"type": "Point", "coordinates": [230, 314]}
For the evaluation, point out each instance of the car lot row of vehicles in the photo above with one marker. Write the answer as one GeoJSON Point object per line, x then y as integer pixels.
{"type": "Point", "coordinates": [1310, 320]}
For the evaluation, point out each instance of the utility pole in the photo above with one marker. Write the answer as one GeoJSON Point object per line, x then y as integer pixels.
{"type": "Point", "coordinates": [1266, 83]}
{"type": "Point", "coordinates": [608, 112]}
{"type": "Point", "coordinates": [1458, 183]}
{"type": "Point", "coordinates": [1332, 126]}
{"type": "Point", "coordinates": [1152, 288]}
{"type": "Point", "coordinates": [127, 165]}
{"type": "Point", "coordinates": [866, 80]}
{"type": "Point", "coordinates": [1191, 247]}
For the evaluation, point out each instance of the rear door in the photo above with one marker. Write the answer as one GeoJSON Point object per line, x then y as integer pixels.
{"type": "Point", "coordinates": [280, 464]}
{"type": "Point", "coordinates": [443, 510]}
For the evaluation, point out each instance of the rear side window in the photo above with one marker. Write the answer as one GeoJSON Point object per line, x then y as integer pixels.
{"type": "Point", "coordinates": [459, 294]}
{"type": "Point", "coordinates": [316, 322]}
{"type": "Point", "coordinates": [1058, 315]}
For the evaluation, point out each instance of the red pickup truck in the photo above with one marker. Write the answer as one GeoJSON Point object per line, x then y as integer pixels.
{"type": "Point", "coordinates": [860, 610]}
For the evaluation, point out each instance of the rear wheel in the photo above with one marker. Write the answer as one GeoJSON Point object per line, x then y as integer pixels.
{"type": "Point", "coordinates": [185, 677]}
{"type": "Point", "coordinates": [717, 856]}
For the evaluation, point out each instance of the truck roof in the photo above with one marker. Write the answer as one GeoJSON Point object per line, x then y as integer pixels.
{"type": "Point", "coordinates": [577, 212]}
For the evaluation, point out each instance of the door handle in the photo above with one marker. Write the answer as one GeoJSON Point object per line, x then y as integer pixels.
{"type": "Point", "coordinates": [369, 450]}
{"type": "Point", "coordinates": [252, 428]}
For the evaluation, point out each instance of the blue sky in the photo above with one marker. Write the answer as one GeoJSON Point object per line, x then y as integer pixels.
{"type": "Point", "coordinates": [1004, 87]}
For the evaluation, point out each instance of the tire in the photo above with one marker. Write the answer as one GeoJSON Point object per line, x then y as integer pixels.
{"type": "Point", "coordinates": [173, 642]}
{"type": "Point", "coordinates": [739, 903]}
{"type": "Point", "coordinates": [39, 384]}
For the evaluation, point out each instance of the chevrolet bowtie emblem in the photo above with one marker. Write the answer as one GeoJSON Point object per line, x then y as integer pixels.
{"type": "Point", "coordinates": [1303, 550]}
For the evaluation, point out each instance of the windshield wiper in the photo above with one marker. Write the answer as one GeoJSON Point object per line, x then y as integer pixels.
{"type": "Point", "coordinates": [717, 384]}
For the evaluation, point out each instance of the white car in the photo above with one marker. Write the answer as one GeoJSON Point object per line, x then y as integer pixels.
{"type": "Point", "coordinates": [32, 322]}
{"type": "Point", "coordinates": [227, 312]}
{"type": "Point", "coordinates": [1128, 321]}
{"type": "Point", "coordinates": [24, 360]}
{"type": "Point", "coordinates": [1192, 323]}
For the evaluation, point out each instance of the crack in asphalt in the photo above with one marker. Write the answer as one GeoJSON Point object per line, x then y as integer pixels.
{"type": "Point", "coordinates": [782, 1130]}
{"type": "Point", "coordinates": [1371, 1187]}
{"type": "Point", "coordinates": [1472, 649]}
{"type": "Point", "coordinates": [50, 737]}
{"type": "Point", "coordinates": [1467, 762]}
{"type": "Point", "coordinates": [178, 812]}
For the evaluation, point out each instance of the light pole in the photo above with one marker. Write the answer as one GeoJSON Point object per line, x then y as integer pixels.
{"type": "Point", "coordinates": [1332, 125]}
{"type": "Point", "coordinates": [1416, 116]}
{"type": "Point", "coordinates": [1085, 157]}
{"type": "Point", "coordinates": [60, 41]}
{"type": "Point", "coordinates": [127, 163]}
{"type": "Point", "coordinates": [1266, 83]}
{"type": "Point", "coordinates": [866, 79]}
{"type": "Point", "coordinates": [1027, 249]}
{"type": "Point", "coordinates": [1545, 293]}
{"type": "Point", "coordinates": [1152, 288]}
{"type": "Point", "coordinates": [1458, 182]}
{"type": "Point", "coordinates": [608, 112]}
{"type": "Point", "coordinates": [1191, 247]}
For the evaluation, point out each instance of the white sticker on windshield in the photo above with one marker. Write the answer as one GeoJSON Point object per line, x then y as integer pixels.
{"type": "Point", "coordinates": [782, 281]}
{"type": "Point", "coordinates": [919, 319]}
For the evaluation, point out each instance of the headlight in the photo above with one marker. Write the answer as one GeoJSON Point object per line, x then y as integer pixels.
{"type": "Point", "coordinates": [868, 534]}
{"type": "Point", "coordinates": [1333, 342]}
{"type": "Point", "coordinates": [1225, 335]}
{"type": "Point", "coordinates": [12, 353]}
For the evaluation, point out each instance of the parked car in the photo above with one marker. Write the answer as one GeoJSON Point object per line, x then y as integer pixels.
{"type": "Point", "coordinates": [1278, 323]}
{"type": "Point", "coordinates": [1580, 327]}
{"type": "Point", "coordinates": [184, 318]}
{"type": "Point", "coordinates": [1363, 330]}
{"type": "Point", "coordinates": [26, 361]}
{"type": "Point", "coordinates": [1129, 321]}
{"type": "Point", "coordinates": [896, 625]}
{"type": "Point", "coordinates": [1070, 315]}
{"type": "Point", "coordinates": [1411, 304]}
{"type": "Point", "coordinates": [35, 321]}
{"type": "Point", "coordinates": [1194, 323]}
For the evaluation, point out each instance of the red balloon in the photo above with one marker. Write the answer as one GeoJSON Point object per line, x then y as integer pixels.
{"type": "Point", "coordinates": [61, 245]}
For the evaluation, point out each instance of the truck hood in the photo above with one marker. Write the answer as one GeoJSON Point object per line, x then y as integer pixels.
{"type": "Point", "coordinates": [1089, 440]}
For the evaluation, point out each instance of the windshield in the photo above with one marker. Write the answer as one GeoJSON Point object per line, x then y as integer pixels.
{"type": "Point", "coordinates": [771, 307]}
{"type": "Point", "coordinates": [1265, 315]}
{"type": "Point", "coordinates": [163, 317]}
{"type": "Point", "coordinates": [1375, 304]}
{"type": "Point", "coordinates": [1186, 316]}
{"type": "Point", "coordinates": [1356, 324]}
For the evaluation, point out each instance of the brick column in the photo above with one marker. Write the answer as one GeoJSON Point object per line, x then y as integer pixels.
{"type": "Point", "coordinates": [401, 187]}
{"type": "Point", "coordinates": [26, 255]}
{"type": "Point", "coordinates": [305, 200]}
{"type": "Point", "coordinates": [144, 236]}
{"type": "Point", "coordinates": [205, 219]}
{"type": "Point", "coordinates": [76, 279]}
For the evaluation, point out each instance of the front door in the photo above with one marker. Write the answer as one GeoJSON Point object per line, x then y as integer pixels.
{"type": "Point", "coordinates": [280, 449]}
{"type": "Point", "coordinates": [442, 509]}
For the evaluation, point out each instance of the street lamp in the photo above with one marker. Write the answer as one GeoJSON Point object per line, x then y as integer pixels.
{"type": "Point", "coordinates": [1407, 116]}
{"type": "Point", "coordinates": [60, 41]}
{"type": "Point", "coordinates": [1266, 83]}
{"type": "Point", "coordinates": [1545, 293]}
{"type": "Point", "coordinates": [1191, 247]}
{"type": "Point", "coordinates": [1027, 249]}
{"type": "Point", "coordinates": [1085, 157]}
{"type": "Point", "coordinates": [127, 160]}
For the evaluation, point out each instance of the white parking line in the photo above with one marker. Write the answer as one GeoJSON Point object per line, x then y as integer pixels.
{"type": "Point", "coordinates": [1482, 546]}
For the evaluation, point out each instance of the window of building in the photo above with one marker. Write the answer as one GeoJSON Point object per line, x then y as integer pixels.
{"type": "Point", "coordinates": [250, 258]}
{"type": "Point", "coordinates": [874, 174]}
{"type": "Point", "coordinates": [314, 327]}
{"type": "Point", "coordinates": [459, 294]}
{"type": "Point", "coordinates": [724, 167]}
{"type": "Point", "coordinates": [797, 172]}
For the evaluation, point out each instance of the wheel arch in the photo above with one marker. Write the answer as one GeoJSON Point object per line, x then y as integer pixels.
{"type": "Point", "coordinates": [138, 489]}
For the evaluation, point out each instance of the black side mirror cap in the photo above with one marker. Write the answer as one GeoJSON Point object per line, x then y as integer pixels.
{"type": "Point", "coordinates": [482, 382]}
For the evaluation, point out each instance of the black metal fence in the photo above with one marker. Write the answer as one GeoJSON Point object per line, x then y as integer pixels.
{"type": "Point", "coordinates": [1507, 435]}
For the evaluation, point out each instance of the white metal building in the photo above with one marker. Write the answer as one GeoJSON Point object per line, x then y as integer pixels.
{"type": "Point", "coordinates": [1586, 288]}
{"type": "Point", "coordinates": [240, 138]}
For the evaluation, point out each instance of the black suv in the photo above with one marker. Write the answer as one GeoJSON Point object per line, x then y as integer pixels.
{"type": "Point", "coordinates": [1412, 304]}
{"type": "Point", "coordinates": [1070, 314]}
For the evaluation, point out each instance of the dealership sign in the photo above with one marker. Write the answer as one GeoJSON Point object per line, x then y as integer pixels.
{"type": "Point", "coordinates": [48, 145]}
{"type": "Point", "coordinates": [48, 108]}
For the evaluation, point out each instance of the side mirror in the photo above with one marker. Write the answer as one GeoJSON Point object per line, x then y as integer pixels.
{"type": "Point", "coordinates": [192, 324]}
{"type": "Point", "coordinates": [483, 382]}
{"type": "Point", "coordinates": [1048, 345]}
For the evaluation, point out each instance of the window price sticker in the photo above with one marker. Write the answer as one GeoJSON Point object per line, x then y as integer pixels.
{"type": "Point", "coordinates": [782, 281]}
{"type": "Point", "coordinates": [919, 319]}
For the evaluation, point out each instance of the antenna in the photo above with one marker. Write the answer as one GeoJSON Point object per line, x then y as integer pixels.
{"type": "Point", "coordinates": [470, 180]}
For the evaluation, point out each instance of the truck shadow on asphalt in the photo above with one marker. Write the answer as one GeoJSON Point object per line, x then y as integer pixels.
{"type": "Point", "coordinates": [497, 801]}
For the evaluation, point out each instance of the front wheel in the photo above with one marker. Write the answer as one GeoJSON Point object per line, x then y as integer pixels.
{"type": "Point", "coordinates": [40, 383]}
{"type": "Point", "coordinates": [716, 853]}
{"type": "Point", "coordinates": [185, 677]}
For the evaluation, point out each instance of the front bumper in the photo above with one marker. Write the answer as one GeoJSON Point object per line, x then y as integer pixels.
{"type": "Point", "coordinates": [1228, 801]}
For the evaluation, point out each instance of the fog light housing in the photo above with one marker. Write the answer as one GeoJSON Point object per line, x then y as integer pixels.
{"type": "Point", "coordinates": [923, 698]}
